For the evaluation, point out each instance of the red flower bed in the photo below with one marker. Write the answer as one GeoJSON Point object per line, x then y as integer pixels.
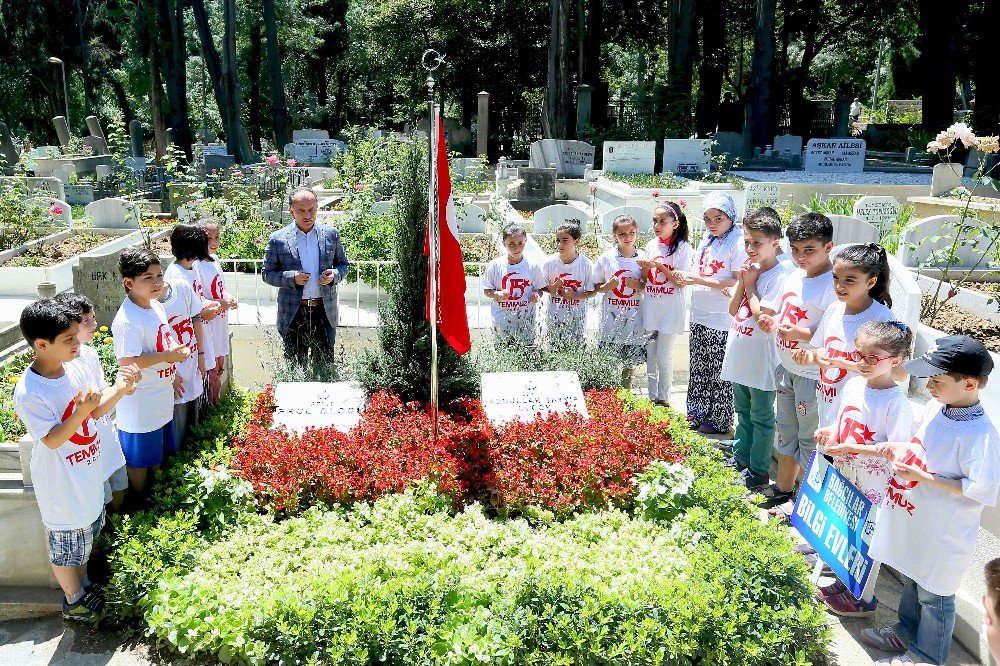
{"type": "Point", "coordinates": [561, 462]}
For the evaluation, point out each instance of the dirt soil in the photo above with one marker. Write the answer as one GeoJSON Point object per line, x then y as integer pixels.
{"type": "Point", "coordinates": [957, 321]}
{"type": "Point", "coordinates": [51, 254]}
{"type": "Point", "coordinates": [988, 288]}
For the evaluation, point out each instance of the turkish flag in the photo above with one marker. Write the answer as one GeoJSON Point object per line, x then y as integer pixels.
{"type": "Point", "coordinates": [452, 317]}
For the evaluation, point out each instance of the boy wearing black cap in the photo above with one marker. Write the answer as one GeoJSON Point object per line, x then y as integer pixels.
{"type": "Point", "coordinates": [943, 478]}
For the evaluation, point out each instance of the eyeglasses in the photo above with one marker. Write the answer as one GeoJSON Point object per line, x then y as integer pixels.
{"type": "Point", "coordinates": [874, 359]}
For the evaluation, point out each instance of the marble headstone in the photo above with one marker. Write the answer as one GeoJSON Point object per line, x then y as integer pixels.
{"type": "Point", "coordinates": [761, 194]}
{"type": "Point", "coordinates": [629, 157]}
{"type": "Point", "coordinates": [94, 127]}
{"type": "Point", "coordinates": [301, 405]}
{"type": "Point", "coordinates": [135, 139]}
{"type": "Point", "coordinates": [7, 149]}
{"type": "Point", "coordinates": [309, 135]}
{"type": "Point", "coordinates": [570, 157]}
{"type": "Point", "coordinates": [537, 184]}
{"type": "Point", "coordinates": [98, 279]}
{"type": "Point", "coordinates": [729, 142]}
{"type": "Point", "coordinates": [687, 155]}
{"type": "Point", "coordinates": [880, 212]}
{"type": "Point", "coordinates": [112, 213]}
{"type": "Point", "coordinates": [62, 130]}
{"type": "Point", "coordinates": [835, 155]}
{"type": "Point", "coordinates": [788, 144]}
{"type": "Point", "coordinates": [946, 176]}
{"type": "Point", "coordinates": [507, 396]}
{"type": "Point", "coordinates": [97, 144]}
{"type": "Point", "coordinates": [218, 162]}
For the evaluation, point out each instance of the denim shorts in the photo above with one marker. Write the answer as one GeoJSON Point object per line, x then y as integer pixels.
{"type": "Point", "coordinates": [147, 449]}
{"type": "Point", "coordinates": [71, 548]}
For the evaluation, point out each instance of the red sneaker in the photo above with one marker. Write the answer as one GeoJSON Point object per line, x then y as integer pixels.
{"type": "Point", "coordinates": [846, 605]}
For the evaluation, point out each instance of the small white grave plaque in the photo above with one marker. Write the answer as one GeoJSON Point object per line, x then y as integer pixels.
{"type": "Point", "coordinates": [835, 155]}
{"type": "Point", "coordinates": [511, 395]}
{"type": "Point", "coordinates": [687, 155]}
{"type": "Point", "coordinates": [762, 194]}
{"type": "Point", "coordinates": [629, 157]}
{"type": "Point", "coordinates": [880, 212]}
{"type": "Point", "coordinates": [300, 405]}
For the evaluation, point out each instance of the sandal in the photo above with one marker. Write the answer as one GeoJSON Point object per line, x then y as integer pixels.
{"type": "Point", "coordinates": [773, 495]}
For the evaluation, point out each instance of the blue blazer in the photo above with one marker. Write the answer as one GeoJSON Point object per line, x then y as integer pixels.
{"type": "Point", "coordinates": [281, 262]}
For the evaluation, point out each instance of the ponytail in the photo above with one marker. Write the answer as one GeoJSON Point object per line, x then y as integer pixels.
{"type": "Point", "coordinates": [873, 261]}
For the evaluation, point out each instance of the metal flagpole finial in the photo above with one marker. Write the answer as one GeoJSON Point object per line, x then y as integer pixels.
{"type": "Point", "coordinates": [430, 61]}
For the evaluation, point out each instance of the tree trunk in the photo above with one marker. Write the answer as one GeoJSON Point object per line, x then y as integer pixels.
{"type": "Point", "coordinates": [88, 85]}
{"type": "Point", "coordinates": [760, 76]}
{"type": "Point", "coordinates": [156, 107]}
{"type": "Point", "coordinates": [172, 45]}
{"type": "Point", "coordinates": [939, 31]}
{"type": "Point", "coordinates": [254, 119]}
{"type": "Point", "coordinates": [557, 93]}
{"type": "Point", "coordinates": [223, 76]}
{"type": "Point", "coordinates": [680, 65]}
{"type": "Point", "coordinates": [593, 43]}
{"type": "Point", "coordinates": [711, 72]}
{"type": "Point", "coordinates": [986, 114]}
{"type": "Point", "coordinates": [122, 97]}
{"type": "Point", "coordinates": [278, 105]}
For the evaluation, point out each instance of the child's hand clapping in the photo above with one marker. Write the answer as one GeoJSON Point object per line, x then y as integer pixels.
{"type": "Point", "coordinates": [534, 297]}
{"type": "Point", "coordinates": [825, 437]}
{"type": "Point", "coordinates": [179, 354]}
{"type": "Point", "coordinates": [892, 450]}
{"type": "Point", "coordinates": [87, 400]}
{"type": "Point", "coordinates": [803, 356]}
{"type": "Point", "coordinates": [502, 295]}
{"type": "Point", "coordinates": [787, 331]}
{"type": "Point", "coordinates": [633, 283]}
{"type": "Point", "coordinates": [129, 377]}
{"type": "Point", "coordinates": [230, 302]}
{"type": "Point", "coordinates": [823, 359]}
{"type": "Point", "coordinates": [767, 323]}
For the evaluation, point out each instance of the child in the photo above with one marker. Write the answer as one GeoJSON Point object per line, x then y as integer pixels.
{"type": "Point", "coordinates": [873, 409]}
{"type": "Point", "coordinates": [214, 286]}
{"type": "Point", "coordinates": [511, 283]}
{"type": "Point", "coordinates": [942, 479]}
{"type": "Point", "coordinates": [142, 337]}
{"type": "Point", "coordinates": [861, 282]}
{"type": "Point", "coordinates": [720, 254]}
{"type": "Point", "coordinates": [569, 279]}
{"type": "Point", "coordinates": [751, 358]}
{"type": "Point", "coordinates": [183, 309]}
{"type": "Point", "coordinates": [668, 255]}
{"type": "Point", "coordinates": [991, 600]}
{"type": "Point", "coordinates": [58, 407]}
{"type": "Point", "coordinates": [805, 295]}
{"type": "Point", "coordinates": [618, 271]}
{"type": "Point", "coordinates": [189, 245]}
{"type": "Point", "coordinates": [116, 480]}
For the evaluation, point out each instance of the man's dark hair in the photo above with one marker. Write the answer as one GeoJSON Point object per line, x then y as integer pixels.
{"type": "Point", "coordinates": [135, 261]}
{"type": "Point", "coordinates": [189, 241]}
{"type": "Point", "coordinates": [45, 319]}
{"type": "Point", "coordinates": [765, 220]}
{"type": "Point", "coordinates": [77, 303]}
{"type": "Point", "coordinates": [810, 226]}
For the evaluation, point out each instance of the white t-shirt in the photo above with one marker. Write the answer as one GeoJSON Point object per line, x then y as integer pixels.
{"type": "Point", "coordinates": [516, 316]}
{"type": "Point", "coordinates": [68, 480]}
{"type": "Point", "coordinates": [180, 306]}
{"type": "Point", "coordinates": [111, 448]}
{"type": "Point", "coordinates": [193, 277]}
{"type": "Point", "coordinates": [751, 358]}
{"type": "Point", "coordinates": [870, 416]}
{"type": "Point", "coordinates": [567, 316]}
{"type": "Point", "coordinates": [621, 308]}
{"type": "Point", "coordinates": [803, 302]}
{"type": "Point", "coordinates": [835, 334]}
{"type": "Point", "coordinates": [716, 258]}
{"type": "Point", "coordinates": [925, 532]}
{"type": "Point", "coordinates": [139, 331]}
{"type": "Point", "coordinates": [214, 286]}
{"type": "Point", "coordinates": [663, 304]}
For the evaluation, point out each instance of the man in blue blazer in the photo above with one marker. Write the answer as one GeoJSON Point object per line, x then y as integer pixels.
{"type": "Point", "coordinates": [306, 262]}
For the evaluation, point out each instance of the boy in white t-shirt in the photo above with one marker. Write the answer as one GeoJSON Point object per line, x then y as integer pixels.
{"type": "Point", "coordinates": [569, 278]}
{"type": "Point", "coordinates": [512, 283]}
{"type": "Point", "coordinates": [214, 285]}
{"type": "Point", "coordinates": [943, 478]}
{"type": "Point", "coordinates": [143, 337]}
{"type": "Point", "coordinates": [183, 309]}
{"type": "Point", "coordinates": [58, 407]}
{"type": "Point", "coordinates": [751, 358]}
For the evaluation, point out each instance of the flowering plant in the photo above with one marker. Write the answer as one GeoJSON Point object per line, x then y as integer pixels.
{"type": "Point", "coordinates": [663, 490]}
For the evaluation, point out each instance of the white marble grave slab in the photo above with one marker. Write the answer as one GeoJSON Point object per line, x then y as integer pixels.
{"type": "Point", "coordinates": [507, 396]}
{"type": "Point", "coordinates": [761, 194]}
{"type": "Point", "coordinates": [687, 155]}
{"type": "Point", "coordinates": [570, 157]}
{"type": "Point", "coordinates": [301, 405]}
{"type": "Point", "coordinates": [835, 155]}
{"type": "Point", "coordinates": [629, 157]}
{"type": "Point", "coordinates": [880, 212]}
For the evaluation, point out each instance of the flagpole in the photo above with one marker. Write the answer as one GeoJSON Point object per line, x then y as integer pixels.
{"type": "Point", "coordinates": [430, 61]}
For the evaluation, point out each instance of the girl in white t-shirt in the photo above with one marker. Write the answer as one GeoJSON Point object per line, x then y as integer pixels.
{"type": "Point", "coordinates": [512, 283]}
{"type": "Point", "coordinates": [214, 285]}
{"type": "Point", "coordinates": [668, 255]}
{"type": "Point", "coordinates": [713, 275]}
{"type": "Point", "coordinates": [873, 410]}
{"type": "Point", "coordinates": [861, 281]}
{"type": "Point", "coordinates": [618, 276]}
{"type": "Point", "coordinates": [569, 279]}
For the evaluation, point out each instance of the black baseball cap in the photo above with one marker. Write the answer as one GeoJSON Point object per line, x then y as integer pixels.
{"type": "Point", "coordinates": [952, 353]}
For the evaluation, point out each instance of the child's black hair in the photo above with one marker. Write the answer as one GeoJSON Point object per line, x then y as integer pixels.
{"type": "Point", "coordinates": [681, 232]}
{"type": "Point", "coordinates": [75, 302]}
{"type": "Point", "coordinates": [765, 220]}
{"type": "Point", "coordinates": [623, 221]}
{"type": "Point", "coordinates": [571, 227]}
{"type": "Point", "coordinates": [189, 241]}
{"type": "Point", "coordinates": [872, 259]}
{"type": "Point", "coordinates": [46, 320]}
{"type": "Point", "coordinates": [514, 229]}
{"type": "Point", "coordinates": [810, 226]}
{"type": "Point", "coordinates": [894, 337]}
{"type": "Point", "coordinates": [135, 261]}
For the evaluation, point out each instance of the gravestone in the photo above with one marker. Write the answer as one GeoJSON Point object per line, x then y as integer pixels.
{"type": "Point", "coordinates": [570, 157]}
{"type": "Point", "coordinates": [218, 162]}
{"type": "Point", "coordinates": [98, 145]}
{"type": "Point", "coordinates": [63, 215]}
{"type": "Point", "coordinates": [112, 213]}
{"type": "Point", "coordinates": [847, 229]}
{"type": "Point", "coordinates": [46, 186]}
{"type": "Point", "coordinates": [471, 219]}
{"type": "Point", "coordinates": [687, 155]}
{"type": "Point", "coordinates": [103, 171]}
{"type": "Point", "coordinates": [301, 405]}
{"type": "Point", "coordinates": [788, 144]}
{"type": "Point", "coordinates": [7, 149]}
{"type": "Point", "coordinates": [758, 195]}
{"type": "Point", "coordinates": [507, 396]}
{"type": "Point", "coordinates": [729, 142]}
{"type": "Point", "coordinates": [79, 194]}
{"type": "Point", "coordinates": [642, 216]}
{"type": "Point", "coordinates": [98, 279]}
{"type": "Point", "coordinates": [928, 242]}
{"type": "Point", "coordinates": [835, 155]}
{"type": "Point", "coordinates": [537, 184]}
{"type": "Point", "coordinates": [880, 212]}
{"type": "Point", "coordinates": [62, 130]}
{"type": "Point", "coordinates": [482, 123]}
{"type": "Point", "coordinates": [946, 177]}
{"type": "Point", "coordinates": [548, 218]}
{"type": "Point", "coordinates": [629, 157]}
{"type": "Point", "coordinates": [313, 151]}
{"type": "Point", "coordinates": [135, 139]}
{"type": "Point", "coordinates": [214, 149]}
{"type": "Point", "coordinates": [309, 135]}
{"type": "Point", "coordinates": [94, 127]}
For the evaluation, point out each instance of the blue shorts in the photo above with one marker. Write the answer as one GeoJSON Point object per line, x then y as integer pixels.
{"type": "Point", "coordinates": [147, 449]}
{"type": "Point", "coordinates": [71, 548]}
